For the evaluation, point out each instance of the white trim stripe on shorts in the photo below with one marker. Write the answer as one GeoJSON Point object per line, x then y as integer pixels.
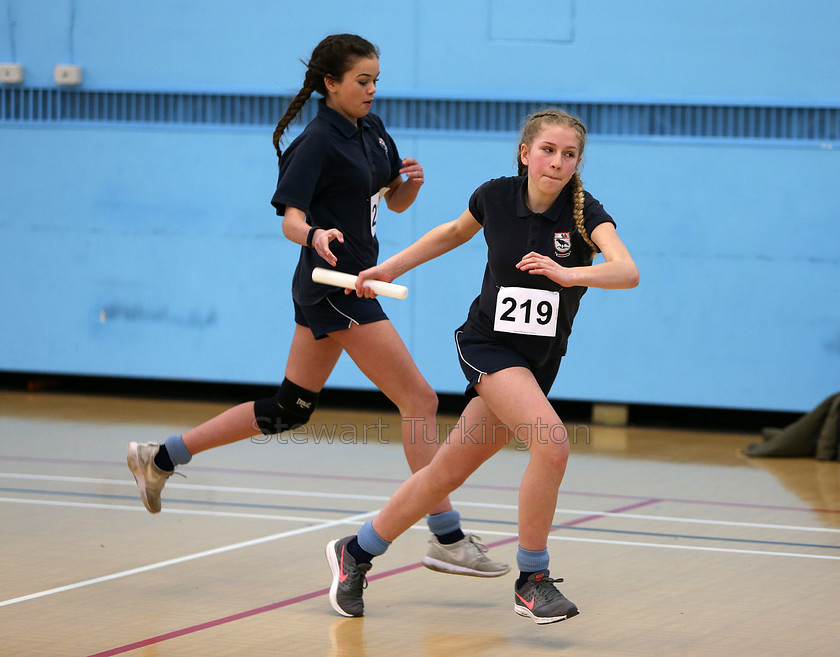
{"type": "Point", "coordinates": [352, 321]}
{"type": "Point", "coordinates": [461, 356]}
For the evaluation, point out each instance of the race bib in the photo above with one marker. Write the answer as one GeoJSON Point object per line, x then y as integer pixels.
{"type": "Point", "coordinates": [374, 208]}
{"type": "Point", "coordinates": [527, 311]}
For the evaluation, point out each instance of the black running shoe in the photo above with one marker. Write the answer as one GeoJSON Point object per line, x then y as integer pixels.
{"type": "Point", "coordinates": [539, 600]}
{"type": "Point", "coordinates": [348, 579]}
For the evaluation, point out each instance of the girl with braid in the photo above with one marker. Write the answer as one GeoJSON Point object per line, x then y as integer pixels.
{"type": "Point", "coordinates": [542, 232]}
{"type": "Point", "coordinates": [332, 178]}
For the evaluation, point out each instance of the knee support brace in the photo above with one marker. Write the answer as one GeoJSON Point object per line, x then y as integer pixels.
{"type": "Point", "coordinates": [290, 408]}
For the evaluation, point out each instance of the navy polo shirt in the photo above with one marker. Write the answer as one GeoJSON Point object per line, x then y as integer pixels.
{"type": "Point", "coordinates": [511, 231]}
{"type": "Point", "coordinates": [330, 172]}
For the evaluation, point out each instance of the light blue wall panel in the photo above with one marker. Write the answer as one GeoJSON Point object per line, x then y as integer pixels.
{"type": "Point", "coordinates": [179, 269]}
{"type": "Point", "coordinates": [754, 49]}
{"type": "Point", "coordinates": [193, 44]}
{"type": "Point", "coordinates": [140, 253]}
{"type": "Point", "coordinates": [697, 48]}
{"type": "Point", "coordinates": [150, 250]}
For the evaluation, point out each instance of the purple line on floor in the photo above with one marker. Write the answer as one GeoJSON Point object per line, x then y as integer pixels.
{"type": "Point", "coordinates": [314, 594]}
{"type": "Point", "coordinates": [335, 477]}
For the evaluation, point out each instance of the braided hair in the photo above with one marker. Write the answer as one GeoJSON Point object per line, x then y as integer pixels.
{"type": "Point", "coordinates": [533, 125]}
{"type": "Point", "coordinates": [333, 57]}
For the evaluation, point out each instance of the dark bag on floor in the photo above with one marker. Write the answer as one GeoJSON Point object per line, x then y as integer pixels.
{"type": "Point", "coordinates": [815, 434]}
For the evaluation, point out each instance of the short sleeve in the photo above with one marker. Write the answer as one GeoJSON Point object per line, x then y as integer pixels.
{"type": "Point", "coordinates": [300, 173]}
{"type": "Point", "coordinates": [594, 213]}
{"type": "Point", "coordinates": [478, 202]}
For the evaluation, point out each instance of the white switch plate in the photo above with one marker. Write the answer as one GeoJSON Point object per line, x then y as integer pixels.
{"type": "Point", "coordinates": [68, 75]}
{"type": "Point", "coordinates": [11, 73]}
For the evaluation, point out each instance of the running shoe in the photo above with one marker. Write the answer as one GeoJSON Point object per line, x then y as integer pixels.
{"type": "Point", "coordinates": [464, 557]}
{"type": "Point", "coordinates": [539, 600]}
{"type": "Point", "coordinates": [150, 478]}
{"type": "Point", "coordinates": [348, 579]}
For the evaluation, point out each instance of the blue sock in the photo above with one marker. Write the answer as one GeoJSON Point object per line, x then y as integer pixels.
{"type": "Point", "coordinates": [446, 526]}
{"type": "Point", "coordinates": [176, 450]}
{"type": "Point", "coordinates": [369, 541]}
{"type": "Point", "coordinates": [529, 562]}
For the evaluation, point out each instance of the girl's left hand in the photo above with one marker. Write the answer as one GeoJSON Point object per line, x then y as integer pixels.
{"type": "Point", "coordinates": [541, 265]}
{"type": "Point", "coordinates": [413, 171]}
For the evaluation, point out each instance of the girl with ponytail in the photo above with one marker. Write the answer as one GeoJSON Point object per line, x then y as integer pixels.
{"type": "Point", "coordinates": [542, 231]}
{"type": "Point", "coordinates": [332, 179]}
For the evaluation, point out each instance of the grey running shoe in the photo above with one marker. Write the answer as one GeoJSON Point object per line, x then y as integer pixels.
{"type": "Point", "coordinates": [539, 600]}
{"type": "Point", "coordinates": [464, 557]}
{"type": "Point", "coordinates": [348, 579]}
{"type": "Point", "coordinates": [150, 478]}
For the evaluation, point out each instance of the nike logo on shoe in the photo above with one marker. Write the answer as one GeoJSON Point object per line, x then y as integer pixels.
{"type": "Point", "coordinates": [527, 603]}
{"type": "Point", "coordinates": [341, 574]}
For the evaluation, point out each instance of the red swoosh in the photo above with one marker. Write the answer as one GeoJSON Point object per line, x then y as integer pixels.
{"type": "Point", "coordinates": [342, 575]}
{"type": "Point", "coordinates": [528, 604]}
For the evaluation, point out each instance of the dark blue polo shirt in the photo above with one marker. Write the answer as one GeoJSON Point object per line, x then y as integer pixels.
{"type": "Point", "coordinates": [511, 230]}
{"type": "Point", "coordinates": [330, 172]}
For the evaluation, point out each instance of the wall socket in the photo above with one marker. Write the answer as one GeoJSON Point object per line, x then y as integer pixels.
{"type": "Point", "coordinates": [11, 73]}
{"type": "Point", "coordinates": [68, 75]}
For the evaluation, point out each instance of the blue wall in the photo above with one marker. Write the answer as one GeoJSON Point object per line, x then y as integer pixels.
{"type": "Point", "coordinates": [137, 241]}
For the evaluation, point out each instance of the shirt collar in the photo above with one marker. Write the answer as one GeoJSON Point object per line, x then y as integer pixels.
{"type": "Point", "coordinates": [336, 119]}
{"type": "Point", "coordinates": [553, 213]}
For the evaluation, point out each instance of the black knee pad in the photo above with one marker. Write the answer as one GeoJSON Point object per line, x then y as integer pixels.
{"type": "Point", "coordinates": [290, 408]}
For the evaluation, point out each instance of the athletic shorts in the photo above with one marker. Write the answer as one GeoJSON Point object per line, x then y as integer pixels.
{"type": "Point", "coordinates": [338, 311]}
{"type": "Point", "coordinates": [479, 354]}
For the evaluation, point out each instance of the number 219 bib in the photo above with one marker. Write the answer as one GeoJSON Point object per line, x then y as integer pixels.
{"type": "Point", "coordinates": [527, 311]}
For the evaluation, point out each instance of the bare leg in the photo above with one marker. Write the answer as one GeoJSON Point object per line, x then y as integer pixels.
{"type": "Point", "coordinates": [477, 436]}
{"type": "Point", "coordinates": [518, 401]}
{"type": "Point", "coordinates": [509, 398]}
{"type": "Point", "coordinates": [381, 355]}
{"type": "Point", "coordinates": [309, 365]}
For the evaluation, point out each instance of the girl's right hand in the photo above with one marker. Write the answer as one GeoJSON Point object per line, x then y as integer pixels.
{"type": "Point", "coordinates": [377, 273]}
{"type": "Point", "coordinates": [321, 243]}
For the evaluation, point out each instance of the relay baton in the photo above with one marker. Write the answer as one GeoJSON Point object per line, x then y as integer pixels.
{"type": "Point", "coordinates": [340, 279]}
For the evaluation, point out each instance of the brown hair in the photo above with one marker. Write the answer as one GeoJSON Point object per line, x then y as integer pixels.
{"type": "Point", "coordinates": [533, 125]}
{"type": "Point", "coordinates": [333, 57]}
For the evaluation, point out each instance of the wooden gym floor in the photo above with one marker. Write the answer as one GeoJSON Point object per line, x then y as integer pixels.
{"type": "Point", "coordinates": [670, 543]}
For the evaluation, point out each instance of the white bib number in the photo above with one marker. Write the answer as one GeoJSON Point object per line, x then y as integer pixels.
{"type": "Point", "coordinates": [374, 208]}
{"type": "Point", "coordinates": [527, 311]}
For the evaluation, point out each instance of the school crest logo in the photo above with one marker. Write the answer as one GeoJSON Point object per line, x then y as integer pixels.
{"type": "Point", "coordinates": [384, 146]}
{"type": "Point", "coordinates": [562, 244]}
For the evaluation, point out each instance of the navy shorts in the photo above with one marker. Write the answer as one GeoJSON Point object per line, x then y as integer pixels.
{"type": "Point", "coordinates": [338, 311]}
{"type": "Point", "coordinates": [480, 354]}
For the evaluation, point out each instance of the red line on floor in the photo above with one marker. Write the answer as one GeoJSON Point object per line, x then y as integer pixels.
{"type": "Point", "coordinates": [314, 594]}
